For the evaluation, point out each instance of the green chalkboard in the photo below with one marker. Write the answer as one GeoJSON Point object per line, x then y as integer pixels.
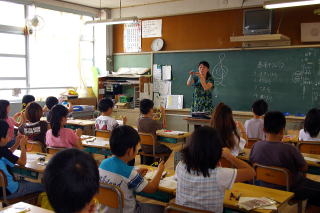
{"type": "Point", "coordinates": [139, 60]}
{"type": "Point", "coordinates": [289, 79]}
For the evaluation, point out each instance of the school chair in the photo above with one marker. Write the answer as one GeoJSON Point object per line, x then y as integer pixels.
{"type": "Point", "coordinates": [102, 133]}
{"type": "Point", "coordinates": [310, 147]}
{"type": "Point", "coordinates": [176, 159]}
{"type": "Point", "coordinates": [29, 198]}
{"type": "Point", "coordinates": [149, 140]}
{"type": "Point", "coordinates": [278, 176]}
{"type": "Point", "coordinates": [35, 146]}
{"type": "Point", "coordinates": [111, 196]}
{"type": "Point", "coordinates": [53, 150]}
{"type": "Point", "coordinates": [250, 142]}
{"type": "Point", "coordinates": [175, 208]}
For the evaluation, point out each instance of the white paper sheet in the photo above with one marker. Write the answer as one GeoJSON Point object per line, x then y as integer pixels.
{"type": "Point", "coordinates": [166, 73]}
{"type": "Point", "coordinates": [165, 88]}
{"type": "Point", "coordinates": [157, 72]}
{"type": "Point", "coordinates": [312, 159]}
{"type": "Point", "coordinates": [175, 132]}
{"type": "Point", "coordinates": [152, 28]}
{"type": "Point", "coordinates": [174, 102]}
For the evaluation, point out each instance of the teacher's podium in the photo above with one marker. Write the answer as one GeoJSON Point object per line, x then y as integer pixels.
{"type": "Point", "coordinates": [196, 122]}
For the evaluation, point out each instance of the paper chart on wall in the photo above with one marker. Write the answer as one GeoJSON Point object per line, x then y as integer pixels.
{"type": "Point", "coordinates": [152, 28]}
{"type": "Point", "coordinates": [165, 88]}
{"type": "Point", "coordinates": [157, 72]}
{"type": "Point", "coordinates": [174, 102]}
{"type": "Point", "coordinates": [132, 37]}
{"type": "Point", "coordinates": [159, 100]}
{"type": "Point", "coordinates": [166, 73]}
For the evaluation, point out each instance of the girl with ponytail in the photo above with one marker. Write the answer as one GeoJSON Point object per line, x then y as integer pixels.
{"type": "Point", "coordinates": [58, 136]}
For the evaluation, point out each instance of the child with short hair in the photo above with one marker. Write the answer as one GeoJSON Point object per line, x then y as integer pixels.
{"type": "Point", "coordinates": [58, 136]}
{"type": "Point", "coordinates": [254, 126]}
{"type": "Point", "coordinates": [105, 121]}
{"type": "Point", "coordinates": [232, 133]}
{"type": "Point", "coordinates": [26, 99]}
{"type": "Point", "coordinates": [34, 128]}
{"type": "Point", "coordinates": [311, 129]}
{"type": "Point", "coordinates": [201, 182]}
{"type": "Point", "coordinates": [272, 152]}
{"type": "Point", "coordinates": [124, 146]}
{"type": "Point", "coordinates": [51, 101]}
{"type": "Point", "coordinates": [71, 181]}
{"type": "Point", "coordinates": [15, 188]}
{"type": "Point", "coordinates": [146, 124]}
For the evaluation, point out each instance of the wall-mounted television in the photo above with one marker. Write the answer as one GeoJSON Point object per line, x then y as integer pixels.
{"type": "Point", "coordinates": [257, 21]}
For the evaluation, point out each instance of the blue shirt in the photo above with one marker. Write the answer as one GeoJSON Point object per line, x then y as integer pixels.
{"type": "Point", "coordinates": [116, 172]}
{"type": "Point", "coordinates": [7, 160]}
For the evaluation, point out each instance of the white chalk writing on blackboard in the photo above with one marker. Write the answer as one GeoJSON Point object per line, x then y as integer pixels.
{"type": "Point", "coordinates": [220, 71]}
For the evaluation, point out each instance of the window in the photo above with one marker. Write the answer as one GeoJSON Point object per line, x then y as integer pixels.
{"type": "Point", "coordinates": [58, 56]}
{"type": "Point", "coordinates": [13, 54]}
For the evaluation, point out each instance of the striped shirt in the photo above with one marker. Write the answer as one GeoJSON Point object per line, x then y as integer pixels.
{"type": "Point", "coordinates": [205, 193]}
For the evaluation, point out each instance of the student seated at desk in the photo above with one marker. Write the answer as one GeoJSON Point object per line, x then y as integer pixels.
{"type": "Point", "coordinates": [254, 126]}
{"type": "Point", "coordinates": [51, 101]}
{"type": "Point", "coordinates": [201, 183]}
{"type": "Point", "coordinates": [311, 129]}
{"type": "Point", "coordinates": [58, 136]}
{"type": "Point", "coordinates": [272, 152]}
{"type": "Point", "coordinates": [4, 115]}
{"type": "Point", "coordinates": [146, 124]}
{"type": "Point", "coordinates": [71, 181]}
{"type": "Point", "coordinates": [20, 188]}
{"type": "Point", "coordinates": [124, 146]}
{"type": "Point", "coordinates": [222, 121]}
{"type": "Point", "coordinates": [34, 129]}
{"type": "Point", "coordinates": [26, 99]}
{"type": "Point", "coordinates": [105, 121]}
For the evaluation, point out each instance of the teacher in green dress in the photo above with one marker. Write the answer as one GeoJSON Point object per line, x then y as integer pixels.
{"type": "Point", "coordinates": [203, 84]}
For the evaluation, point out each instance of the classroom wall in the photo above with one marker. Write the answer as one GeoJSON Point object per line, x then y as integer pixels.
{"type": "Point", "coordinates": [212, 30]}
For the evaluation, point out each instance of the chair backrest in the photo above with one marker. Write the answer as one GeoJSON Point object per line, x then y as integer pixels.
{"type": "Point", "coordinates": [148, 139]}
{"type": "Point", "coordinates": [54, 150]}
{"type": "Point", "coordinates": [35, 146]}
{"type": "Point", "coordinates": [3, 184]}
{"type": "Point", "coordinates": [274, 175]}
{"type": "Point", "coordinates": [175, 208]}
{"type": "Point", "coordinates": [103, 133]}
{"type": "Point", "coordinates": [250, 142]}
{"type": "Point", "coordinates": [111, 196]}
{"type": "Point", "coordinates": [310, 147]}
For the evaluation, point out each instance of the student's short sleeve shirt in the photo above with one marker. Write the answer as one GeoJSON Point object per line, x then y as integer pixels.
{"type": "Point", "coordinates": [254, 128]}
{"type": "Point", "coordinates": [8, 159]}
{"type": "Point", "coordinates": [305, 136]}
{"type": "Point", "coordinates": [205, 193]}
{"type": "Point", "coordinates": [35, 131]}
{"type": "Point", "coordinates": [67, 138]}
{"type": "Point", "coordinates": [116, 172]}
{"type": "Point", "coordinates": [281, 155]}
{"type": "Point", "coordinates": [106, 123]}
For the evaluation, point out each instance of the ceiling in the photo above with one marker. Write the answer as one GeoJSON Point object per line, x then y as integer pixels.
{"type": "Point", "coordinates": [116, 3]}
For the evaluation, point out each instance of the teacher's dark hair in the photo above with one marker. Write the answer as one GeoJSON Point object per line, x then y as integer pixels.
{"type": "Point", "coordinates": [312, 122]}
{"type": "Point", "coordinates": [222, 121]}
{"type": "Point", "coordinates": [203, 151]}
{"type": "Point", "coordinates": [206, 64]}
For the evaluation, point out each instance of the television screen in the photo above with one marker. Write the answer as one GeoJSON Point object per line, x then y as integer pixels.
{"type": "Point", "coordinates": [257, 21]}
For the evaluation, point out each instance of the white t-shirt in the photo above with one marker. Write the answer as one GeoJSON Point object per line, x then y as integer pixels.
{"type": "Point", "coordinates": [305, 136]}
{"type": "Point", "coordinates": [106, 123]}
{"type": "Point", "coordinates": [254, 128]}
{"type": "Point", "coordinates": [238, 148]}
{"type": "Point", "coordinates": [205, 193]}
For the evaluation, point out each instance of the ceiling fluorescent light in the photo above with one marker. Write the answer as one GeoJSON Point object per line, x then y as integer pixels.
{"type": "Point", "coordinates": [286, 3]}
{"type": "Point", "coordinates": [126, 20]}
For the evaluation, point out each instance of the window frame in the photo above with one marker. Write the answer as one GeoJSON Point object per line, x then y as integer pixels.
{"type": "Point", "coordinates": [21, 31]}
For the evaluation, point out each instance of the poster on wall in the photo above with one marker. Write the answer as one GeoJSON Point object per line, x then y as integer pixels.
{"type": "Point", "coordinates": [152, 28]}
{"type": "Point", "coordinates": [132, 37]}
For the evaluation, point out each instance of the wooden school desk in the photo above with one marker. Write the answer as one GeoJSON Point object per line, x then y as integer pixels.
{"type": "Point", "coordinates": [25, 208]}
{"type": "Point", "coordinates": [168, 136]}
{"type": "Point", "coordinates": [196, 121]}
{"type": "Point", "coordinates": [247, 190]}
{"type": "Point", "coordinates": [163, 194]}
{"type": "Point", "coordinates": [34, 167]}
{"type": "Point", "coordinates": [96, 145]}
